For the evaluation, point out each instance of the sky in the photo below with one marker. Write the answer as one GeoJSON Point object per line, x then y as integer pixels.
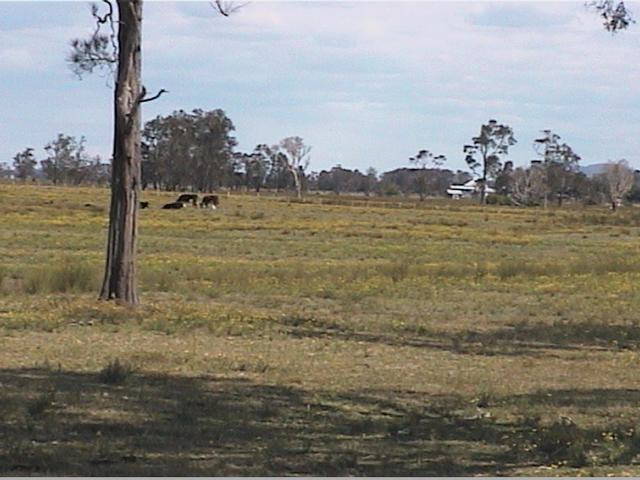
{"type": "Point", "coordinates": [364, 83]}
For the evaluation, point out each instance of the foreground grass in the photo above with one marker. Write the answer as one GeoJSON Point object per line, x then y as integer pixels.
{"type": "Point", "coordinates": [334, 337]}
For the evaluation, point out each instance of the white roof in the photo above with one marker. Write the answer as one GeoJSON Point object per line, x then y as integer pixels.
{"type": "Point", "coordinates": [469, 186]}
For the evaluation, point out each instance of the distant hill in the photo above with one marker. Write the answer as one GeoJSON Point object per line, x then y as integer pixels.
{"type": "Point", "coordinates": [594, 169]}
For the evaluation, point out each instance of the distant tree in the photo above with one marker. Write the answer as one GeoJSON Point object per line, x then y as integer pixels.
{"type": "Point", "coordinates": [634, 193]}
{"type": "Point", "coordinates": [277, 176]}
{"type": "Point", "coordinates": [166, 142]}
{"type": "Point", "coordinates": [98, 173]}
{"type": "Point", "coordinates": [344, 179]}
{"type": "Point", "coordinates": [24, 164]}
{"type": "Point", "coordinates": [528, 185]}
{"type": "Point", "coordinates": [422, 160]}
{"type": "Point", "coordinates": [408, 180]}
{"type": "Point", "coordinates": [560, 164]}
{"type": "Point", "coordinates": [340, 179]}
{"type": "Point", "coordinates": [214, 145]}
{"type": "Point", "coordinates": [504, 179]}
{"type": "Point", "coordinates": [399, 180]}
{"type": "Point", "coordinates": [66, 162]}
{"type": "Point", "coordinates": [618, 179]}
{"type": "Point", "coordinates": [188, 150]}
{"type": "Point", "coordinates": [369, 182]}
{"type": "Point", "coordinates": [296, 156]}
{"type": "Point", "coordinates": [387, 187]}
{"type": "Point", "coordinates": [254, 167]}
{"type": "Point", "coordinates": [5, 172]}
{"type": "Point", "coordinates": [589, 190]}
{"type": "Point", "coordinates": [485, 152]}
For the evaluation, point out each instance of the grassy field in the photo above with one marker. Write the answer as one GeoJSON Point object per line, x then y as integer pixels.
{"type": "Point", "coordinates": [339, 336]}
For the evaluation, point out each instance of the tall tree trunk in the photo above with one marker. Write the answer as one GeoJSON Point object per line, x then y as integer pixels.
{"type": "Point", "coordinates": [120, 269]}
{"type": "Point", "coordinates": [296, 180]}
{"type": "Point", "coordinates": [483, 186]}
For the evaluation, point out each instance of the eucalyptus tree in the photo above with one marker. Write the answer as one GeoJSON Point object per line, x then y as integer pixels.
{"type": "Point", "coordinates": [619, 178]}
{"type": "Point", "coordinates": [528, 185]}
{"type": "Point", "coordinates": [255, 166]}
{"type": "Point", "coordinates": [560, 164]}
{"type": "Point", "coordinates": [370, 181]}
{"type": "Point", "coordinates": [296, 155]}
{"type": "Point", "coordinates": [275, 161]}
{"type": "Point", "coordinates": [422, 160]}
{"type": "Point", "coordinates": [66, 162]}
{"type": "Point", "coordinates": [486, 149]}
{"type": "Point", "coordinates": [165, 151]}
{"type": "Point", "coordinates": [24, 164]}
{"type": "Point", "coordinates": [212, 154]}
{"type": "Point", "coordinates": [340, 180]}
{"type": "Point", "coordinates": [119, 51]}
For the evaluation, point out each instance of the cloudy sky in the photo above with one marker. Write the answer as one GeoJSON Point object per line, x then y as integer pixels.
{"type": "Point", "coordinates": [364, 83]}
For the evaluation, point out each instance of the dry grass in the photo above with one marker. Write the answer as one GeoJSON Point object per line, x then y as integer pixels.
{"type": "Point", "coordinates": [340, 336]}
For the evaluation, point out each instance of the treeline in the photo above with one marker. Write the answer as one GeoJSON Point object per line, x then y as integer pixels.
{"type": "Point", "coordinates": [196, 152]}
{"type": "Point", "coordinates": [66, 163]}
{"type": "Point", "coordinates": [424, 182]}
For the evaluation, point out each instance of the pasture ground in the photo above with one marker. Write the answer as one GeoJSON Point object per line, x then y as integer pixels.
{"type": "Point", "coordinates": [338, 336]}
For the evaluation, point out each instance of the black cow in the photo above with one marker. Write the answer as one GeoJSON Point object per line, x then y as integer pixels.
{"type": "Point", "coordinates": [210, 201]}
{"type": "Point", "coordinates": [188, 198]}
{"type": "Point", "coordinates": [144, 205]}
{"type": "Point", "coordinates": [173, 206]}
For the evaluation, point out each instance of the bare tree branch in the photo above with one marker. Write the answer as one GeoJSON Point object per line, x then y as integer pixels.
{"type": "Point", "coordinates": [150, 99]}
{"type": "Point", "coordinates": [108, 17]}
{"type": "Point", "coordinates": [226, 8]}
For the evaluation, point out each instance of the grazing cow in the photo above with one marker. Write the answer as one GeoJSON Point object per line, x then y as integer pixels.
{"type": "Point", "coordinates": [144, 205]}
{"type": "Point", "coordinates": [210, 201]}
{"type": "Point", "coordinates": [188, 198]}
{"type": "Point", "coordinates": [173, 206]}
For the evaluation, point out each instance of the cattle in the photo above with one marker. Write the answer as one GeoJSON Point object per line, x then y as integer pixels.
{"type": "Point", "coordinates": [210, 201]}
{"type": "Point", "coordinates": [144, 205]}
{"type": "Point", "coordinates": [188, 198]}
{"type": "Point", "coordinates": [173, 206]}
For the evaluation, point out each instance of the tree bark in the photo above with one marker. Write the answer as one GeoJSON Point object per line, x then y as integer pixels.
{"type": "Point", "coordinates": [296, 180]}
{"type": "Point", "coordinates": [120, 269]}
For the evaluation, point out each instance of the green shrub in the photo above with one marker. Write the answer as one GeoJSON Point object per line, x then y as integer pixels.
{"type": "Point", "coordinates": [563, 442]}
{"type": "Point", "coordinates": [71, 275]}
{"type": "Point", "coordinates": [115, 373]}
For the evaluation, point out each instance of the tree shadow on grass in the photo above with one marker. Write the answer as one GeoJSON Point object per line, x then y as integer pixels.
{"type": "Point", "coordinates": [68, 423]}
{"type": "Point", "coordinates": [523, 338]}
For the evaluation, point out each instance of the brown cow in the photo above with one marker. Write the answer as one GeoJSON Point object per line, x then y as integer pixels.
{"type": "Point", "coordinates": [188, 198]}
{"type": "Point", "coordinates": [210, 201]}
